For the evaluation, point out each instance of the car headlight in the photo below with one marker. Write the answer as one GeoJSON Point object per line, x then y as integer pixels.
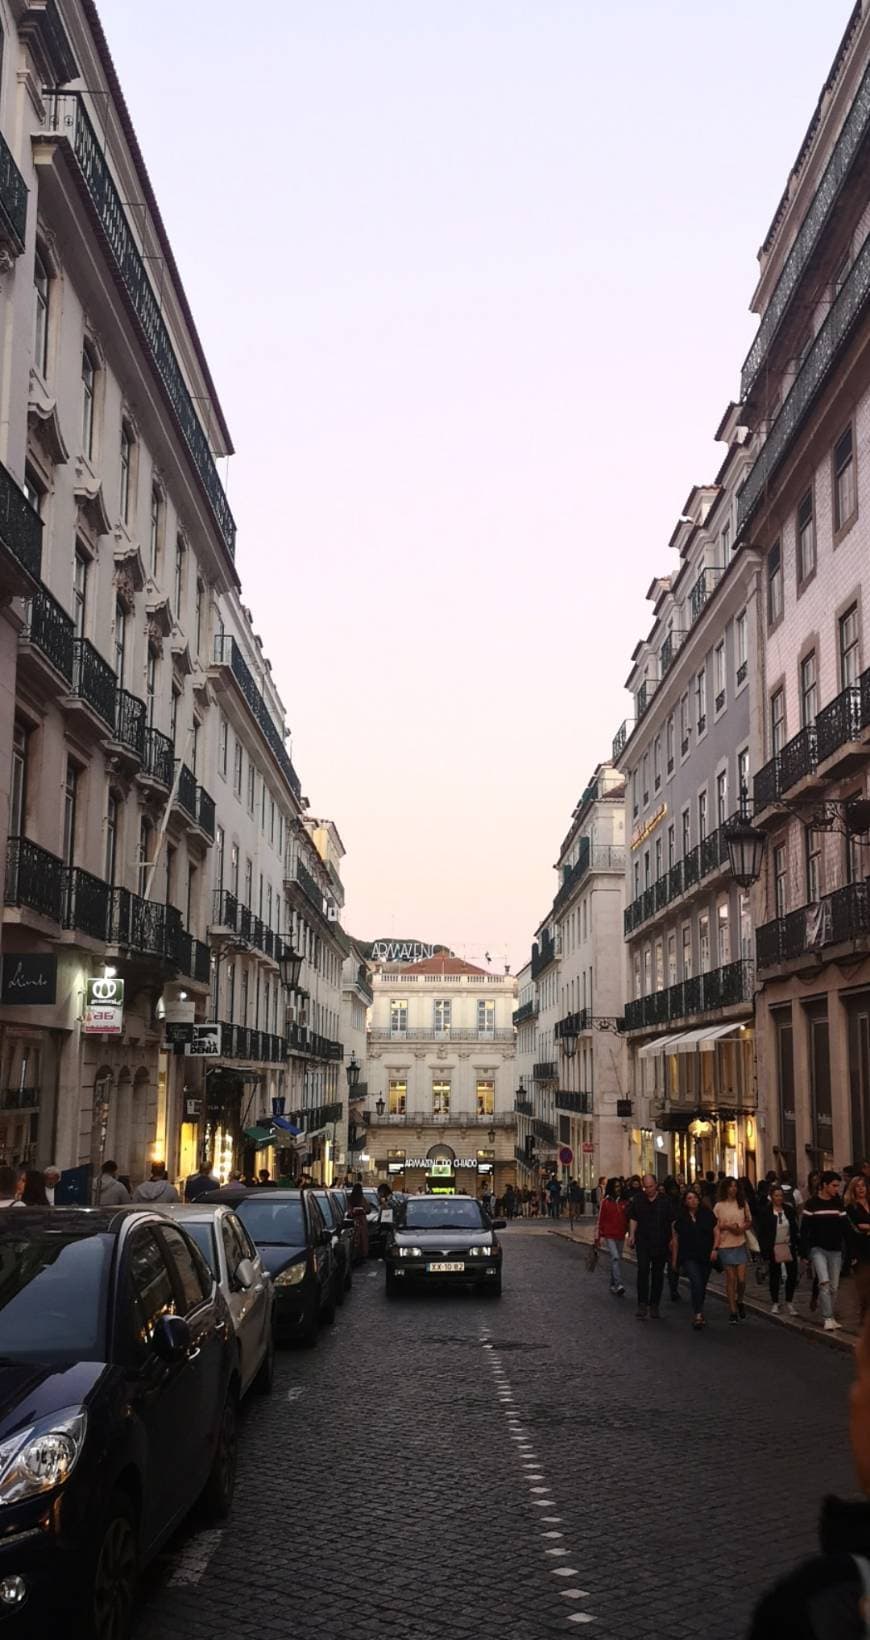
{"type": "Point", "coordinates": [43, 1456]}
{"type": "Point", "coordinates": [409, 1252]}
{"type": "Point", "coordinates": [292, 1276]}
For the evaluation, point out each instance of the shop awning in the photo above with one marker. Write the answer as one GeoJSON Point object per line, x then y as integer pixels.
{"type": "Point", "coordinates": [660, 1045]}
{"type": "Point", "coordinates": [260, 1136]}
{"type": "Point", "coordinates": [704, 1038]}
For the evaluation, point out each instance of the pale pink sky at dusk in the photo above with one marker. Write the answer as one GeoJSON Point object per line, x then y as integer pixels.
{"type": "Point", "coordinates": [473, 278]}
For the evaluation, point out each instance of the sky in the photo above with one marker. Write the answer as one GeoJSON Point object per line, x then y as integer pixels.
{"type": "Point", "coordinates": [473, 278]}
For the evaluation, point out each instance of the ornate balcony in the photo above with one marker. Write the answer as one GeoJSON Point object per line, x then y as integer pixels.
{"type": "Point", "coordinates": [702, 591]}
{"type": "Point", "coordinates": [158, 760]}
{"type": "Point", "coordinates": [797, 759]}
{"type": "Point", "coordinates": [543, 954]}
{"type": "Point", "coordinates": [720, 988]}
{"type": "Point", "coordinates": [34, 878]}
{"type": "Point", "coordinates": [644, 696]}
{"type": "Point", "coordinates": [838, 919]}
{"type": "Point", "coordinates": [581, 1103]}
{"type": "Point", "coordinates": [86, 903]}
{"type": "Point", "coordinates": [205, 812]}
{"type": "Point", "coordinates": [129, 732]}
{"type": "Point", "coordinates": [94, 685]}
{"type": "Point", "coordinates": [228, 654]}
{"type": "Point", "coordinates": [528, 1010]}
{"type": "Point", "coordinates": [545, 1071]}
{"type": "Point", "coordinates": [185, 791]}
{"type": "Point", "coordinates": [20, 528]}
{"type": "Point", "coordinates": [839, 724]}
{"type": "Point", "coordinates": [13, 208]}
{"type": "Point", "coordinates": [621, 737]}
{"type": "Point", "coordinates": [670, 649]}
{"type": "Point", "coordinates": [48, 635]}
{"type": "Point", "coordinates": [766, 786]}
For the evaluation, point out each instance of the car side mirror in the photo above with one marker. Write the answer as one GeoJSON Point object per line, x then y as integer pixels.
{"type": "Point", "coordinates": [171, 1338]}
{"type": "Point", "coordinates": [499, 1224]}
{"type": "Point", "coordinates": [246, 1275]}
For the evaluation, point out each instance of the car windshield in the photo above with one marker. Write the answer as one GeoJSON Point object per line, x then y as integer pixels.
{"type": "Point", "coordinates": [203, 1236]}
{"type": "Point", "coordinates": [271, 1223]}
{"type": "Point", "coordinates": [371, 1197]}
{"type": "Point", "coordinates": [441, 1213]}
{"type": "Point", "coordinates": [53, 1296]}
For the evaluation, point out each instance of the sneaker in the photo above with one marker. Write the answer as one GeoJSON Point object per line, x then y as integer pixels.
{"type": "Point", "coordinates": [733, 1320]}
{"type": "Point", "coordinates": [791, 1309]}
{"type": "Point", "coordinates": [741, 1311]}
{"type": "Point", "coordinates": [620, 1292]}
{"type": "Point", "coordinates": [697, 1323]}
{"type": "Point", "coordinates": [641, 1312]}
{"type": "Point", "coordinates": [774, 1309]}
{"type": "Point", "coordinates": [831, 1325]}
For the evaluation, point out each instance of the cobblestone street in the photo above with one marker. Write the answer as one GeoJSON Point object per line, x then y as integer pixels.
{"type": "Point", "coordinates": [448, 1465]}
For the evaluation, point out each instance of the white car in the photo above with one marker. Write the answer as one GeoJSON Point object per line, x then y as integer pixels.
{"type": "Point", "coordinates": [232, 1257]}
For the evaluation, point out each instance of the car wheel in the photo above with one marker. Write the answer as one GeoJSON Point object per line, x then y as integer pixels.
{"type": "Point", "coordinates": [217, 1494]}
{"type": "Point", "coordinates": [109, 1605]}
{"type": "Point", "coordinates": [265, 1378]}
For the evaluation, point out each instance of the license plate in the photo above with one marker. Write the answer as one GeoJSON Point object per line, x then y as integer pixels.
{"type": "Point", "coordinates": [445, 1269]}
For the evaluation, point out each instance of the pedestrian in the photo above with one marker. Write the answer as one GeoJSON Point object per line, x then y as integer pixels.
{"type": "Point", "coordinates": [649, 1233]}
{"type": "Point", "coordinates": [358, 1209]}
{"type": "Point", "coordinates": [857, 1203]}
{"type": "Point", "coordinates": [200, 1182]}
{"type": "Point", "coordinates": [693, 1238]}
{"type": "Point", "coordinates": [30, 1190]}
{"type": "Point", "coordinates": [601, 1189]}
{"type": "Point", "coordinates": [708, 1188]}
{"type": "Point", "coordinates": [778, 1239]}
{"type": "Point", "coordinates": [672, 1190]}
{"type": "Point", "coordinates": [823, 1241]}
{"type": "Point", "coordinates": [110, 1191]}
{"type": "Point", "coordinates": [611, 1229]}
{"type": "Point", "coordinates": [157, 1188]}
{"type": "Point", "coordinates": [510, 1201]}
{"type": "Point", "coordinates": [554, 1189]}
{"type": "Point", "coordinates": [235, 1190]}
{"type": "Point", "coordinates": [733, 1219]}
{"type": "Point", "coordinates": [265, 1180]}
{"type": "Point", "coordinates": [8, 1186]}
{"type": "Point", "coordinates": [51, 1177]}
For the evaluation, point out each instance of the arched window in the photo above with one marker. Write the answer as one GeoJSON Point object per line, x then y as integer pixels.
{"type": "Point", "coordinates": [89, 389]}
{"type": "Point", "coordinates": [40, 314]}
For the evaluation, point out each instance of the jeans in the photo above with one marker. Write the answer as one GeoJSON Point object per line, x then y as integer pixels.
{"type": "Point", "coordinates": [650, 1276]}
{"type": "Point", "coordinates": [614, 1249]}
{"type": "Point", "coordinates": [791, 1274]}
{"type": "Point", "coordinates": [673, 1280]}
{"type": "Point", "coordinates": [826, 1269]}
{"type": "Point", "coordinates": [698, 1274]}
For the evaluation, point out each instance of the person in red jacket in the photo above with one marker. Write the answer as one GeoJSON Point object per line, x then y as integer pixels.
{"type": "Point", "coordinates": [612, 1230]}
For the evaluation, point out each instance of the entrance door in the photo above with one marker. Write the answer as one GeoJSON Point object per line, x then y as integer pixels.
{"type": "Point", "coordinates": [820, 1084]}
{"type": "Point", "coordinates": [859, 1075]}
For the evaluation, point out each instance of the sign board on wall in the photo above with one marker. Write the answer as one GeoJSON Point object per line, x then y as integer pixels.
{"type": "Point", "coordinates": [566, 1155]}
{"type": "Point", "coordinates": [104, 1007]}
{"type": "Point", "coordinates": [206, 1042]}
{"type": "Point", "coordinates": [588, 1148]}
{"type": "Point", "coordinates": [29, 980]}
{"type": "Point", "coordinates": [644, 827]}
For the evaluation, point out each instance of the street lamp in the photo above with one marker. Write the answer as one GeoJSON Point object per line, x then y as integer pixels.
{"type": "Point", "coordinates": [745, 844]}
{"type": "Point", "coordinates": [290, 965]}
{"type": "Point", "coordinates": [491, 1136]}
{"type": "Point", "coordinates": [379, 1104]}
{"type": "Point", "coordinates": [352, 1071]}
{"type": "Point", "coordinates": [568, 1038]}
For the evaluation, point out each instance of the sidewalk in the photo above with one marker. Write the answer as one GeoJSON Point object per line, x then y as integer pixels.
{"type": "Point", "coordinates": [757, 1298]}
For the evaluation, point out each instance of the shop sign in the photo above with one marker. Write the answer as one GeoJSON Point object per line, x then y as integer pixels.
{"type": "Point", "coordinates": [643, 829]}
{"type": "Point", "coordinates": [206, 1042]}
{"type": "Point", "coordinates": [104, 1007]}
{"type": "Point", "coordinates": [588, 1147]}
{"type": "Point", "coordinates": [192, 1107]}
{"type": "Point", "coordinates": [29, 980]}
{"type": "Point", "coordinates": [278, 1104]}
{"type": "Point", "coordinates": [178, 1037]}
{"type": "Point", "coordinates": [438, 1165]}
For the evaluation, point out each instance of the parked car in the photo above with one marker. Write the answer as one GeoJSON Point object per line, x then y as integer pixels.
{"type": "Point", "coordinates": [342, 1240]}
{"type": "Point", "coordinates": [295, 1246]}
{"type": "Point", "coordinates": [342, 1196]}
{"type": "Point", "coordinates": [379, 1220]}
{"type": "Point", "coordinates": [443, 1239]}
{"type": "Point", "coordinates": [119, 1389]}
{"type": "Point", "coordinates": [245, 1283]}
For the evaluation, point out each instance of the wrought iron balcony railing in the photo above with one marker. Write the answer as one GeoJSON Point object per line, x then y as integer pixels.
{"type": "Point", "coordinates": [447, 1033]}
{"type": "Point", "coordinates": [130, 722]}
{"type": "Point", "coordinates": [852, 134]}
{"type": "Point", "coordinates": [185, 793]}
{"type": "Point", "coordinates": [34, 878]}
{"type": "Point", "coordinates": [527, 1010]}
{"type": "Point", "coordinates": [710, 855]}
{"type": "Point", "coordinates": [621, 737]}
{"type": "Point", "coordinates": [543, 955]}
{"type": "Point", "coordinates": [228, 653]}
{"type": "Point", "coordinates": [13, 201]}
{"type": "Point", "coordinates": [829, 342]}
{"type": "Point", "coordinates": [836, 919]}
{"type": "Point", "coordinates": [20, 524]}
{"type": "Point", "coordinates": [600, 857]}
{"type": "Point", "coordinates": [70, 121]}
{"type": "Point", "coordinates": [86, 903]}
{"type": "Point", "coordinates": [670, 648]}
{"type": "Point", "coordinates": [51, 630]}
{"type": "Point", "coordinates": [838, 722]}
{"type": "Point", "coordinates": [699, 994]}
{"type": "Point", "coordinates": [524, 1106]}
{"type": "Point", "coordinates": [94, 681]}
{"type": "Point", "coordinates": [765, 786]}
{"type": "Point", "coordinates": [159, 757]}
{"type": "Point", "coordinates": [205, 812]}
{"type": "Point", "coordinates": [229, 912]}
{"type": "Point", "coordinates": [545, 1071]}
{"type": "Point", "coordinates": [580, 1103]}
{"type": "Point", "coordinates": [309, 886]}
{"type": "Point", "coordinates": [544, 1131]}
{"type": "Point", "coordinates": [797, 758]}
{"type": "Point", "coordinates": [644, 696]}
{"type": "Point", "coordinates": [703, 589]}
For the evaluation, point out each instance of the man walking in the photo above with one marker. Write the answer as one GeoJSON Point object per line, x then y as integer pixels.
{"type": "Point", "coordinates": [823, 1239]}
{"type": "Point", "coordinates": [110, 1191]}
{"type": "Point", "coordinates": [650, 1226]}
{"type": "Point", "coordinates": [201, 1182]}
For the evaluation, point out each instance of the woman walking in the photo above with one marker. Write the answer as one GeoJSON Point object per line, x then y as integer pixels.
{"type": "Point", "coordinates": [612, 1230]}
{"type": "Point", "coordinates": [779, 1243]}
{"type": "Point", "coordinates": [733, 1219]}
{"type": "Point", "coordinates": [858, 1215]}
{"type": "Point", "coordinates": [358, 1209]}
{"type": "Point", "coordinates": [691, 1249]}
{"type": "Point", "coordinates": [31, 1188]}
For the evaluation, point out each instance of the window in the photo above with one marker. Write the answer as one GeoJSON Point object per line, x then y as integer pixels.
{"type": "Point", "coordinates": [806, 538]}
{"type": "Point", "coordinates": [704, 942]}
{"type": "Point", "coordinates": [636, 878]}
{"type": "Point", "coordinates": [151, 1283]}
{"type": "Point", "coordinates": [672, 846]}
{"type": "Point", "coordinates": [219, 847]}
{"type": "Point", "coordinates": [198, 614]}
{"type": "Point", "coordinates": [111, 839]}
{"type": "Point", "coordinates": [442, 1016]}
{"type": "Point", "coordinates": [179, 576]}
{"type": "Point", "coordinates": [70, 801]}
{"type": "Point", "coordinates": [687, 832]}
{"type": "Point", "coordinates": [721, 797]}
{"type": "Point", "coordinates": [260, 896]}
{"type": "Point", "coordinates": [702, 816]}
{"type": "Point", "coordinates": [808, 689]}
{"type": "Point", "coordinates": [89, 388]}
{"type": "Point", "coordinates": [126, 471]}
{"type": "Point", "coordinates": [485, 1017]}
{"type": "Point", "coordinates": [18, 792]}
{"type": "Point", "coordinates": [398, 1018]}
{"type": "Point", "coordinates": [252, 786]}
{"type": "Point", "coordinates": [845, 494]}
{"type": "Point", "coordinates": [151, 684]}
{"type": "Point", "coordinates": [740, 644]}
{"type": "Point", "coordinates": [657, 762]}
{"type": "Point", "coordinates": [780, 879]}
{"type": "Point", "coordinates": [774, 584]}
{"type": "Point", "coordinates": [40, 316]}
{"type": "Point", "coordinates": [243, 1013]}
{"type": "Point", "coordinates": [120, 641]}
{"type": "Point", "coordinates": [701, 700]}
{"type": "Point", "coordinates": [80, 591]}
{"type": "Point", "coordinates": [645, 777]}
{"type": "Point", "coordinates": [813, 858]}
{"type": "Point", "coordinates": [249, 884]}
{"type": "Point", "coordinates": [223, 746]}
{"type": "Point", "coordinates": [440, 1098]}
{"type": "Point", "coordinates": [155, 529]}
{"type": "Point", "coordinates": [687, 951]}
{"type": "Point", "coordinates": [272, 821]}
{"type": "Point", "coordinates": [397, 1097]}
{"type": "Point", "coordinates": [684, 725]}
{"type": "Point", "coordinates": [237, 768]}
{"type": "Point", "coordinates": [743, 773]}
{"type": "Point", "coordinates": [726, 542]}
{"type": "Point", "coordinates": [672, 959]}
{"type": "Point", "coordinates": [635, 785]}
{"type": "Point", "coordinates": [485, 1097]}
{"type": "Point", "coordinates": [670, 740]}
{"type": "Point", "coordinates": [194, 747]}
{"type": "Point", "coordinates": [777, 721]}
{"type": "Point", "coordinates": [146, 837]}
{"type": "Point", "coordinates": [647, 971]}
{"type": "Point", "coordinates": [849, 661]}
{"type": "Point", "coordinates": [646, 868]}
{"type": "Point", "coordinates": [719, 675]}
{"type": "Point", "coordinates": [234, 870]}
{"type": "Point", "coordinates": [723, 933]}
{"type": "Point", "coordinates": [660, 965]}
{"type": "Point", "coordinates": [658, 858]}
{"type": "Point", "coordinates": [231, 992]}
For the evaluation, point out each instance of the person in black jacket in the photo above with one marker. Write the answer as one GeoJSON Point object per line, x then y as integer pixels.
{"type": "Point", "coordinates": [650, 1220]}
{"type": "Point", "coordinates": [694, 1231]}
{"type": "Point", "coordinates": [780, 1244]}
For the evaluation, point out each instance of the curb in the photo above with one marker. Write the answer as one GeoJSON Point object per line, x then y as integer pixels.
{"type": "Point", "coordinates": [844, 1342]}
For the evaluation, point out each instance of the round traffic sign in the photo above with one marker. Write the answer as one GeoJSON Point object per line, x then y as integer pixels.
{"type": "Point", "coordinates": [566, 1155]}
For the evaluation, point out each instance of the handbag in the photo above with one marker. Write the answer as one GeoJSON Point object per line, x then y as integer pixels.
{"type": "Point", "coordinates": [752, 1243]}
{"type": "Point", "coordinates": [592, 1258]}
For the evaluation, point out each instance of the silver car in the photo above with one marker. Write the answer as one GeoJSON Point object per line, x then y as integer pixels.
{"type": "Point", "coordinates": [231, 1255]}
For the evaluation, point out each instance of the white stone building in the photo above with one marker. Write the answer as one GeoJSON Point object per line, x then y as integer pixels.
{"type": "Point", "coordinates": [525, 1020]}
{"type": "Point", "coordinates": [441, 1070]}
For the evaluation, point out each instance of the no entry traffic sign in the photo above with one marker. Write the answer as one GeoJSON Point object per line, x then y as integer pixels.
{"type": "Point", "coordinates": [566, 1155]}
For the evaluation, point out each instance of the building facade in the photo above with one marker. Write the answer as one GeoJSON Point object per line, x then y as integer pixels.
{"type": "Point", "coordinates": [441, 1073]}
{"type": "Point", "coordinates": [805, 509]}
{"type": "Point", "coordinates": [686, 758]}
{"type": "Point", "coordinates": [525, 1022]}
{"type": "Point", "coordinates": [356, 1000]}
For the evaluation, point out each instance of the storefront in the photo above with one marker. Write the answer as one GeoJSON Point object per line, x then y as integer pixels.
{"type": "Point", "coordinates": [701, 1085]}
{"type": "Point", "coordinates": [440, 1169]}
